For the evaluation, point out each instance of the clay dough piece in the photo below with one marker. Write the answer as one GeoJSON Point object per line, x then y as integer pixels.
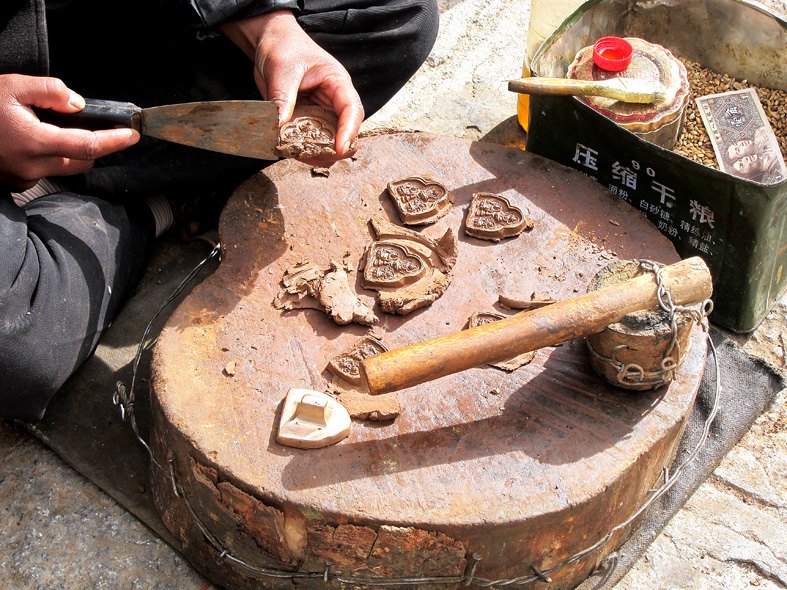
{"type": "Point", "coordinates": [389, 266]}
{"type": "Point", "coordinates": [536, 300]}
{"type": "Point", "coordinates": [306, 286]}
{"type": "Point", "coordinates": [481, 318]}
{"type": "Point", "coordinates": [364, 406]}
{"type": "Point", "coordinates": [310, 420]}
{"type": "Point", "coordinates": [493, 217]}
{"type": "Point", "coordinates": [347, 365]}
{"type": "Point", "coordinates": [420, 200]}
{"type": "Point", "coordinates": [311, 133]}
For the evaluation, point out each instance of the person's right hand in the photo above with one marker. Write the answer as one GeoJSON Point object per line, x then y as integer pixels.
{"type": "Point", "coordinates": [31, 150]}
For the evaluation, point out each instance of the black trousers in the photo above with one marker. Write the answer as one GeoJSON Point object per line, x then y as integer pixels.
{"type": "Point", "coordinates": [68, 261]}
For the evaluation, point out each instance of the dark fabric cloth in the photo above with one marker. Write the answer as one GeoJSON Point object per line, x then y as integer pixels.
{"type": "Point", "coordinates": [209, 14]}
{"type": "Point", "coordinates": [69, 260]}
{"type": "Point", "coordinates": [68, 263]}
{"type": "Point", "coordinates": [381, 44]}
{"type": "Point", "coordinates": [23, 38]}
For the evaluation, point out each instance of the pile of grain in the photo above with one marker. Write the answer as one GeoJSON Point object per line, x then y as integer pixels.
{"type": "Point", "coordinates": [694, 142]}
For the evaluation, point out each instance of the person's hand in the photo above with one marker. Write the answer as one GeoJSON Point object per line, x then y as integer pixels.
{"type": "Point", "coordinates": [31, 150]}
{"type": "Point", "coordinates": [289, 66]}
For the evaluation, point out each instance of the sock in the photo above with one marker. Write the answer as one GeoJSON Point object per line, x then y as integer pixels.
{"type": "Point", "coordinates": [44, 187]}
{"type": "Point", "coordinates": [162, 213]}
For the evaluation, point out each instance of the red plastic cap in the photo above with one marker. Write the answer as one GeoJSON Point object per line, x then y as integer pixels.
{"type": "Point", "coordinates": [612, 53]}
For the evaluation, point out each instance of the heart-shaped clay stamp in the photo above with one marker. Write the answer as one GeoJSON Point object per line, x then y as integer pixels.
{"type": "Point", "coordinates": [392, 265]}
{"type": "Point", "coordinates": [307, 136]}
{"type": "Point", "coordinates": [481, 318]}
{"type": "Point", "coordinates": [347, 365]}
{"type": "Point", "coordinates": [493, 217]}
{"type": "Point", "coordinates": [420, 200]}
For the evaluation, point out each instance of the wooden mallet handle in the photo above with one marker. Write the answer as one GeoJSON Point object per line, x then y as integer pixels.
{"type": "Point", "coordinates": [688, 281]}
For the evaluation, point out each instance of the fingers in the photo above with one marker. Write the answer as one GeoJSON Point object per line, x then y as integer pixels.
{"type": "Point", "coordinates": [79, 144]}
{"type": "Point", "coordinates": [351, 115]}
{"type": "Point", "coordinates": [47, 93]}
{"type": "Point", "coordinates": [290, 67]}
{"type": "Point", "coordinates": [30, 149]}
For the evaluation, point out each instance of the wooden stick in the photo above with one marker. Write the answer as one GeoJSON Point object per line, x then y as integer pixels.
{"type": "Point", "coordinates": [623, 89]}
{"type": "Point", "coordinates": [688, 281]}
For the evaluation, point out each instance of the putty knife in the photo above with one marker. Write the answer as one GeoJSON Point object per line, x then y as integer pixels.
{"type": "Point", "coordinates": [240, 127]}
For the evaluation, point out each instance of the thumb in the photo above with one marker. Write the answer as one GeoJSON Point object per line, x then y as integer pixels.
{"type": "Point", "coordinates": [282, 90]}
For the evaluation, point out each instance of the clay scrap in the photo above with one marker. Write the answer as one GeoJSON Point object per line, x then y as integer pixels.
{"type": "Point", "coordinates": [310, 420]}
{"type": "Point", "coordinates": [306, 286]}
{"type": "Point", "coordinates": [420, 200]}
{"type": "Point", "coordinates": [407, 269]}
{"type": "Point", "coordinates": [361, 405]}
{"type": "Point", "coordinates": [493, 217]}
{"type": "Point", "coordinates": [311, 133]}
{"type": "Point", "coordinates": [481, 318]}
{"type": "Point", "coordinates": [536, 300]}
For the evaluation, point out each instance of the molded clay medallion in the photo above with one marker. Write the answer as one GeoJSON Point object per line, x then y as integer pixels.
{"type": "Point", "coordinates": [347, 388]}
{"type": "Point", "coordinates": [390, 266]}
{"type": "Point", "coordinates": [420, 200]}
{"type": "Point", "coordinates": [347, 364]}
{"type": "Point", "coordinates": [481, 318]}
{"type": "Point", "coordinates": [493, 217]}
{"type": "Point", "coordinates": [311, 133]}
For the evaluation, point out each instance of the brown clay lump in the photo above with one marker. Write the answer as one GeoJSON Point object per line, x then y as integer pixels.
{"type": "Point", "coordinates": [493, 217]}
{"type": "Point", "coordinates": [420, 200]}
{"type": "Point", "coordinates": [306, 286]}
{"type": "Point", "coordinates": [311, 133]}
{"type": "Point", "coordinates": [407, 269]}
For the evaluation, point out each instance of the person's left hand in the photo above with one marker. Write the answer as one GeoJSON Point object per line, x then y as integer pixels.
{"type": "Point", "coordinates": [289, 66]}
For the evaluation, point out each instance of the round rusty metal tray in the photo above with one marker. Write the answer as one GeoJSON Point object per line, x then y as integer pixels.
{"type": "Point", "coordinates": [513, 469]}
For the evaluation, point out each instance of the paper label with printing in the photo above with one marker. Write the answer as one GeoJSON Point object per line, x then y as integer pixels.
{"type": "Point", "coordinates": [742, 138]}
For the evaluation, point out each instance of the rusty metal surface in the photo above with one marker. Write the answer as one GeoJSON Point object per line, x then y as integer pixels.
{"type": "Point", "coordinates": [241, 127]}
{"type": "Point", "coordinates": [503, 461]}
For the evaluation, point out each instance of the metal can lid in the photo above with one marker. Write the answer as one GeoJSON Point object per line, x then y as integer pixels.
{"type": "Point", "coordinates": [649, 61]}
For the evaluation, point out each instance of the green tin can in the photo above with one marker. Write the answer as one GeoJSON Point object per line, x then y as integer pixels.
{"type": "Point", "coordinates": [737, 226]}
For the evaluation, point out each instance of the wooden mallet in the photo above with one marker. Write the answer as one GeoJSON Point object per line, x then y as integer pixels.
{"type": "Point", "coordinates": [688, 281]}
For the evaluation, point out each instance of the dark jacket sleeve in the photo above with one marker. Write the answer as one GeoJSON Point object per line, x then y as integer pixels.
{"type": "Point", "coordinates": [209, 14]}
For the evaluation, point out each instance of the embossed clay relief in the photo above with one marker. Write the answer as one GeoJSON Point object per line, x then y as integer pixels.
{"type": "Point", "coordinates": [493, 217]}
{"type": "Point", "coordinates": [392, 264]}
{"type": "Point", "coordinates": [407, 269]}
{"type": "Point", "coordinates": [420, 200]}
{"type": "Point", "coordinates": [347, 388]}
{"type": "Point", "coordinates": [311, 133]}
{"type": "Point", "coordinates": [481, 318]}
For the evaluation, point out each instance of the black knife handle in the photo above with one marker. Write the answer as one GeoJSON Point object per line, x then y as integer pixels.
{"type": "Point", "coordinates": [97, 114]}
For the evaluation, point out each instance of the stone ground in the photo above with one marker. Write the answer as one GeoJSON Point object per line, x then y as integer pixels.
{"type": "Point", "coordinates": [61, 531]}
